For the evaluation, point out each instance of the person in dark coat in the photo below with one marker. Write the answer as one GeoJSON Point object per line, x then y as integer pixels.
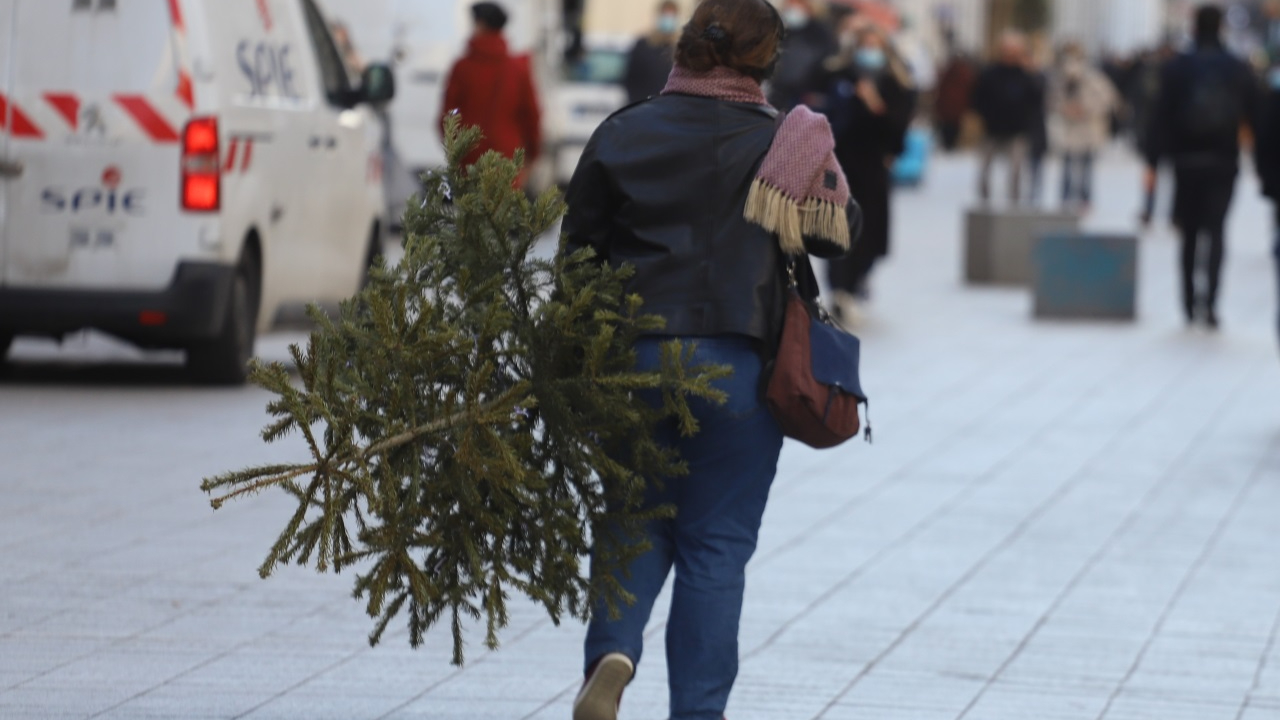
{"type": "Point", "coordinates": [1207, 96]}
{"type": "Point", "coordinates": [871, 110]}
{"type": "Point", "coordinates": [955, 85]}
{"type": "Point", "coordinates": [800, 78]}
{"type": "Point", "coordinates": [649, 62]}
{"type": "Point", "coordinates": [1008, 98]}
{"type": "Point", "coordinates": [491, 89]}
{"type": "Point", "coordinates": [665, 188]}
{"type": "Point", "coordinates": [1267, 154]}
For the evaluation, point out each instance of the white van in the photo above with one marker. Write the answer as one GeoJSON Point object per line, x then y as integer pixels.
{"type": "Point", "coordinates": [173, 173]}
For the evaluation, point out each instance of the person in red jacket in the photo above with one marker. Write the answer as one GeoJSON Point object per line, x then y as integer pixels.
{"type": "Point", "coordinates": [491, 89]}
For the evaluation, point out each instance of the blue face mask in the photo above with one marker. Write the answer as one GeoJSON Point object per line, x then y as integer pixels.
{"type": "Point", "coordinates": [668, 24]}
{"type": "Point", "coordinates": [871, 59]}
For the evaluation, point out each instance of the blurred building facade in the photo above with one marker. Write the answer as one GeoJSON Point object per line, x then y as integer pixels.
{"type": "Point", "coordinates": [624, 17]}
{"type": "Point", "coordinates": [1110, 27]}
{"type": "Point", "coordinates": [1102, 26]}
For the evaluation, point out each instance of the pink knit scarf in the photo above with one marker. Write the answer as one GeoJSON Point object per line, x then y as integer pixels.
{"type": "Point", "coordinates": [800, 189]}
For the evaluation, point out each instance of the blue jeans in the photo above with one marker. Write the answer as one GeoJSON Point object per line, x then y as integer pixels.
{"type": "Point", "coordinates": [1077, 178]}
{"type": "Point", "coordinates": [732, 463]}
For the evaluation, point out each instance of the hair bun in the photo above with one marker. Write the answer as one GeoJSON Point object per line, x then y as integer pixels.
{"type": "Point", "coordinates": [742, 35]}
{"type": "Point", "coordinates": [716, 35]}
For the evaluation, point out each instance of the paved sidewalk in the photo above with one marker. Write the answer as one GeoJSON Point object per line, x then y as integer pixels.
{"type": "Point", "coordinates": [1057, 522]}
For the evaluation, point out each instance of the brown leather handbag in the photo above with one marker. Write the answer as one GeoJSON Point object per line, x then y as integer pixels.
{"type": "Point", "coordinates": [814, 391]}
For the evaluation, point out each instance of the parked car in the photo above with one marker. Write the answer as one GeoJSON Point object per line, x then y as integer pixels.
{"type": "Point", "coordinates": [590, 91]}
{"type": "Point", "coordinates": [175, 173]}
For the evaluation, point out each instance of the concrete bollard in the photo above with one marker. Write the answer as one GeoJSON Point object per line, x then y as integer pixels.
{"type": "Point", "coordinates": [999, 244]}
{"type": "Point", "coordinates": [1086, 277]}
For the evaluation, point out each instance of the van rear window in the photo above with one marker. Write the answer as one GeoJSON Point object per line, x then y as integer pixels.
{"type": "Point", "coordinates": [101, 49]}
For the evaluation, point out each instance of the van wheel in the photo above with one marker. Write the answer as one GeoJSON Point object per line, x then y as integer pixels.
{"type": "Point", "coordinates": [224, 360]}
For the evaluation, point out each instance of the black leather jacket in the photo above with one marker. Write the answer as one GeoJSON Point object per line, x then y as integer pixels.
{"type": "Point", "coordinates": [662, 186]}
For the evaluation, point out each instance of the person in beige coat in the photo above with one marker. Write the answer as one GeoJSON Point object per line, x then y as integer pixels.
{"type": "Point", "coordinates": [1081, 101]}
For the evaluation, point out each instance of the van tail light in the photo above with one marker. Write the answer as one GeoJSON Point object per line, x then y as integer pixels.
{"type": "Point", "coordinates": [201, 169]}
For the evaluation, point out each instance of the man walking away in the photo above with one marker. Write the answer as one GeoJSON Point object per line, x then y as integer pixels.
{"type": "Point", "coordinates": [1267, 152]}
{"type": "Point", "coordinates": [651, 58]}
{"type": "Point", "coordinates": [1206, 97]}
{"type": "Point", "coordinates": [1008, 99]}
{"type": "Point", "coordinates": [491, 89]}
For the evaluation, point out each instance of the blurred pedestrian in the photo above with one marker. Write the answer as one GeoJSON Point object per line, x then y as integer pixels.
{"type": "Point", "coordinates": [1267, 154]}
{"type": "Point", "coordinates": [1081, 102]}
{"type": "Point", "coordinates": [1120, 71]}
{"type": "Point", "coordinates": [872, 104]}
{"type": "Point", "coordinates": [1207, 96]}
{"type": "Point", "coordinates": [1144, 91]}
{"type": "Point", "coordinates": [955, 85]}
{"type": "Point", "coordinates": [650, 60]}
{"type": "Point", "coordinates": [347, 49]}
{"type": "Point", "coordinates": [1038, 138]}
{"type": "Point", "coordinates": [493, 90]}
{"type": "Point", "coordinates": [800, 79]}
{"type": "Point", "coordinates": [1007, 98]}
{"type": "Point", "coordinates": [663, 187]}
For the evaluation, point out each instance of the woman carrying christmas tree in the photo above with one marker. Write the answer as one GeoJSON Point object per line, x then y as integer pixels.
{"type": "Point", "coordinates": [703, 192]}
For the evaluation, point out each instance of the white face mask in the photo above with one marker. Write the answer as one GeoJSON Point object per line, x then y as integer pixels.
{"type": "Point", "coordinates": [668, 24]}
{"type": "Point", "coordinates": [794, 18]}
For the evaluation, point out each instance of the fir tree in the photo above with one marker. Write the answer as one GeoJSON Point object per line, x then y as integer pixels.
{"type": "Point", "coordinates": [472, 418]}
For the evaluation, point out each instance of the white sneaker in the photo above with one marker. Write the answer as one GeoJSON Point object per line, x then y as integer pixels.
{"type": "Point", "coordinates": [846, 308]}
{"type": "Point", "coordinates": [601, 694]}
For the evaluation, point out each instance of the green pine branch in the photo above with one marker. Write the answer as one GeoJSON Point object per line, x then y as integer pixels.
{"type": "Point", "coordinates": [473, 419]}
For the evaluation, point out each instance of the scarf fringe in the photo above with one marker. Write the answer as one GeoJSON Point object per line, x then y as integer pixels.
{"type": "Point", "coordinates": [771, 209]}
{"type": "Point", "coordinates": [826, 220]}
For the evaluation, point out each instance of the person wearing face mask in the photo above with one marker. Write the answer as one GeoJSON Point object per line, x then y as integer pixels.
{"type": "Point", "coordinates": [799, 79]}
{"type": "Point", "coordinates": [651, 58]}
{"type": "Point", "coordinates": [1082, 100]}
{"type": "Point", "coordinates": [872, 103]}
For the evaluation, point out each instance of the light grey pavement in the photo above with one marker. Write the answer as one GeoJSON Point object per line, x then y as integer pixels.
{"type": "Point", "coordinates": [1057, 522]}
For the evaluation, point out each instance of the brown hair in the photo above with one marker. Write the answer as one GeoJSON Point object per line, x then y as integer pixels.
{"type": "Point", "coordinates": [742, 35]}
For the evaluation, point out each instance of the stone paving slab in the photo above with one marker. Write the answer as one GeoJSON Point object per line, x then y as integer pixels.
{"type": "Point", "coordinates": [1058, 521]}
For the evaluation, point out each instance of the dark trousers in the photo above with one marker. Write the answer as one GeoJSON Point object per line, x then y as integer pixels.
{"type": "Point", "coordinates": [849, 274]}
{"type": "Point", "coordinates": [1276, 254]}
{"type": "Point", "coordinates": [949, 133]}
{"type": "Point", "coordinates": [1035, 166]}
{"type": "Point", "coordinates": [1203, 198]}
{"type": "Point", "coordinates": [1077, 178]}
{"type": "Point", "coordinates": [873, 189]}
{"type": "Point", "coordinates": [719, 505]}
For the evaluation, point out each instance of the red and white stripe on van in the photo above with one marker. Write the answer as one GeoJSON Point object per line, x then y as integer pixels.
{"type": "Point", "coordinates": [156, 117]}
{"type": "Point", "coordinates": [59, 115]}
